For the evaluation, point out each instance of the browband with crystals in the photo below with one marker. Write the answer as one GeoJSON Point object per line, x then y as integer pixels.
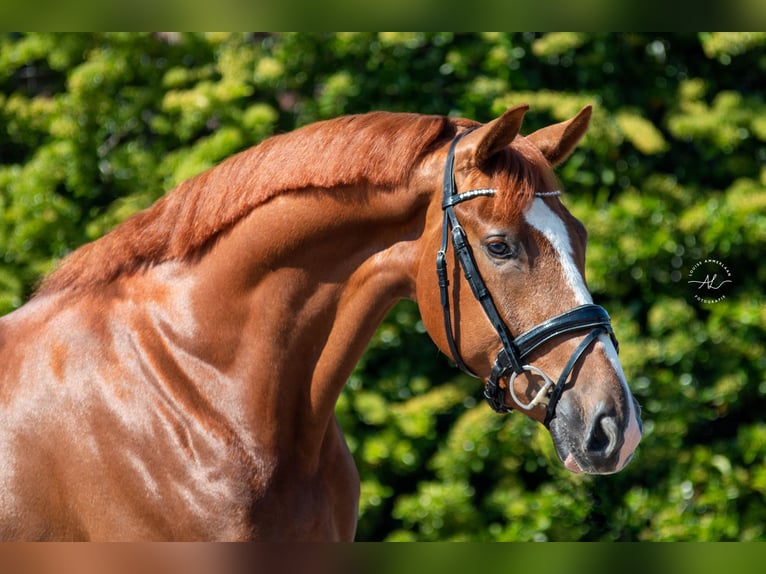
{"type": "Point", "coordinates": [459, 197]}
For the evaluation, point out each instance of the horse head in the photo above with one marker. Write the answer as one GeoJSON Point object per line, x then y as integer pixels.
{"type": "Point", "coordinates": [510, 302]}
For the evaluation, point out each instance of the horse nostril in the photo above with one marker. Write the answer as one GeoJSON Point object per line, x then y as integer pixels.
{"type": "Point", "coordinates": [603, 438]}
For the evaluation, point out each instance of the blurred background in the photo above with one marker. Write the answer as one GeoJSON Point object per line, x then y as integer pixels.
{"type": "Point", "coordinates": [670, 182]}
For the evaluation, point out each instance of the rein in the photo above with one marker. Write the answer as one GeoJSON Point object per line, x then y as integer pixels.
{"type": "Point", "coordinates": [511, 358]}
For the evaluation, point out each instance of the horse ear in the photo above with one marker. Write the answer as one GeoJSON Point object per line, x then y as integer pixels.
{"type": "Point", "coordinates": [559, 140]}
{"type": "Point", "coordinates": [498, 133]}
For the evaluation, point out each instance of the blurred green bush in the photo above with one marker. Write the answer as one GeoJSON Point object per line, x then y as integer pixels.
{"type": "Point", "coordinates": [673, 171]}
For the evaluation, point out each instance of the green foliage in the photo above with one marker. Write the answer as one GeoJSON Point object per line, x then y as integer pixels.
{"type": "Point", "coordinates": [673, 170]}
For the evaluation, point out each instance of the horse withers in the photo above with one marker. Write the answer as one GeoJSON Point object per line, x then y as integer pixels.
{"type": "Point", "coordinates": [176, 379]}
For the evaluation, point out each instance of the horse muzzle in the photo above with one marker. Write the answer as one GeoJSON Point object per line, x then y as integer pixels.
{"type": "Point", "coordinates": [600, 440]}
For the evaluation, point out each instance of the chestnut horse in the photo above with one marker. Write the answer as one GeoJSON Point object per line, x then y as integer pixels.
{"type": "Point", "coordinates": [177, 378]}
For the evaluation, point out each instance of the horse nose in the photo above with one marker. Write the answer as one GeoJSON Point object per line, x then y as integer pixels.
{"type": "Point", "coordinates": [604, 437]}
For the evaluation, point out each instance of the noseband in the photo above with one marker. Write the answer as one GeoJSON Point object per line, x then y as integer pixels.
{"type": "Point", "coordinates": [511, 358]}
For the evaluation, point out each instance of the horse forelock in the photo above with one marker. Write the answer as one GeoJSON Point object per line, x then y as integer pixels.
{"type": "Point", "coordinates": [519, 172]}
{"type": "Point", "coordinates": [377, 149]}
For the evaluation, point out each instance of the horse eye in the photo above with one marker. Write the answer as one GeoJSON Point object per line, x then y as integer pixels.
{"type": "Point", "coordinates": [500, 249]}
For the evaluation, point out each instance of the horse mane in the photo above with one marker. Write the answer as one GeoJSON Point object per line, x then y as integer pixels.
{"type": "Point", "coordinates": [378, 149]}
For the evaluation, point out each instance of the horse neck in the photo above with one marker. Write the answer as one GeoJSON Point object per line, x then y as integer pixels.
{"type": "Point", "coordinates": [289, 299]}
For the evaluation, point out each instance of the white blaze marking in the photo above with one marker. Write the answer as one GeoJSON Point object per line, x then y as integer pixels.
{"type": "Point", "coordinates": [545, 220]}
{"type": "Point", "coordinates": [632, 434]}
{"type": "Point", "coordinates": [550, 225]}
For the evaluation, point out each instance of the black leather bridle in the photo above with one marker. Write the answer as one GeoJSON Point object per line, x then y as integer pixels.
{"type": "Point", "coordinates": [511, 358]}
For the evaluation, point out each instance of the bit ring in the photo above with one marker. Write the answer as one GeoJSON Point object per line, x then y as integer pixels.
{"type": "Point", "coordinates": [542, 395]}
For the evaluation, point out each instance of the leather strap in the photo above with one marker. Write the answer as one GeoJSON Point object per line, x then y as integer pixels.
{"type": "Point", "coordinates": [578, 319]}
{"type": "Point", "coordinates": [559, 388]}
